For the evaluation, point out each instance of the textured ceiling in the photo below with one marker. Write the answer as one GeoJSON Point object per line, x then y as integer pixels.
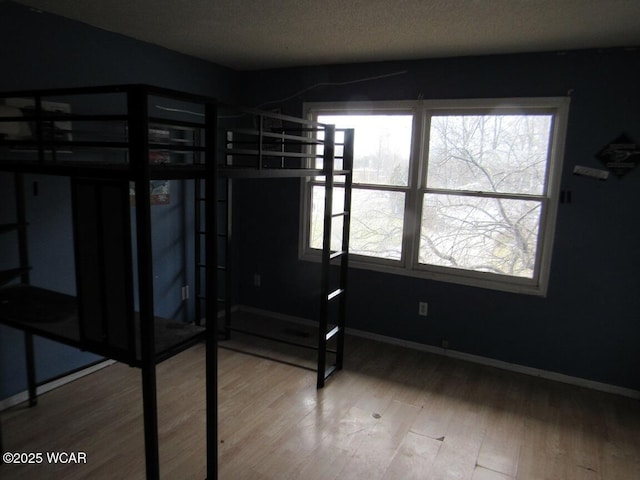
{"type": "Point", "coordinates": [253, 34]}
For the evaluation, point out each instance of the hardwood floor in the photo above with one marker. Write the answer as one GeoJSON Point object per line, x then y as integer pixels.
{"type": "Point", "coordinates": [392, 413]}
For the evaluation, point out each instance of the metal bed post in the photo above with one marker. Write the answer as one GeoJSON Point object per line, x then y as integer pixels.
{"type": "Point", "coordinates": [211, 277]}
{"type": "Point", "coordinates": [227, 258]}
{"type": "Point", "coordinates": [23, 252]}
{"type": "Point", "coordinates": [23, 272]}
{"type": "Point", "coordinates": [139, 165]}
{"type": "Point", "coordinates": [31, 369]}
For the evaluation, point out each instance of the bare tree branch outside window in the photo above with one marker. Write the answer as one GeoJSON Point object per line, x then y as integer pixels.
{"type": "Point", "coordinates": [475, 162]}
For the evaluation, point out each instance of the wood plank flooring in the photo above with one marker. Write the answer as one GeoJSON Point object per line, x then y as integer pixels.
{"type": "Point", "coordinates": [391, 414]}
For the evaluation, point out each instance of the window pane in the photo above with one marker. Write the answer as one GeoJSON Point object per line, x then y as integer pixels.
{"type": "Point", "coordinates": [382, 145]}
{"type": "Point", "coordinates": [480, 234]}
{"type": "Point", "coordinates": [317, 219]}
{"type": "Point", "coordinates": [490, 153]}
{"type": "Point", "coordinates": [376, 223]}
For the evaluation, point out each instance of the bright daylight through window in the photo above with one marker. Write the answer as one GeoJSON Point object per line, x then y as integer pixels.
{"type": "Point", "coordinates": [462, 191]}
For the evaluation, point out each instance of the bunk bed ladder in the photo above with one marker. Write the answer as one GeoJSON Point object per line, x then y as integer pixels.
{"type": "Point", "coordinates": [223, 241]}
{"type": "Point", "coordinates": [334, 292]}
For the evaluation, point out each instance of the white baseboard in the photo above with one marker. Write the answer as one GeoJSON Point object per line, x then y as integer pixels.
{"type": "Point", "coordinates": [21, 397]}
{"type": "Point", "coordinates": [513, 367]}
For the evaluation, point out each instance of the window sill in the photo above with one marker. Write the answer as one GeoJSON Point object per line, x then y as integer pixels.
{"type": "Point", "coordinates": [502, 284]}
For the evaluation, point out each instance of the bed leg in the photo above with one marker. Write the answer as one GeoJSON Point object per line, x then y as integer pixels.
{"type": "Point", "coordinates": [31, 369]}
{"type": "Point", "coordinates": [150, 414]}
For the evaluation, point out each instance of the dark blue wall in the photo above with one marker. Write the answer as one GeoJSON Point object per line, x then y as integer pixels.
{"type": "Point", "coordinates": [39, 50]}
{"type": "Point", "coordinates": [589, 323]}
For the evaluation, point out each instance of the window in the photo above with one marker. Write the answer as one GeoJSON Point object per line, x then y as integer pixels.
{"type": "Point", "coordinates": [380, 183]}
{"type": "Point", "coordinates": [462, 191]}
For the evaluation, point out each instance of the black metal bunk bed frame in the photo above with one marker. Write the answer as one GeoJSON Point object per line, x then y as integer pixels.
{"type": "Point", "coordinates": [254, 151]}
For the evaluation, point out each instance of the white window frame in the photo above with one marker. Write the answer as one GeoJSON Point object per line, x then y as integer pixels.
{"type": "Point", "coordinates": [422, 110]}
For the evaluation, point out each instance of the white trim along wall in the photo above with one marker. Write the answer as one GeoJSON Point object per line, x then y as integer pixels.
{"type": "Point", "coordinates": [512, 367]}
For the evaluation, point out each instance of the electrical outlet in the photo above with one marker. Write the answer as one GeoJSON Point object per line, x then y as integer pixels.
{"type": "Point", "coordinates": [257, 281]}
{"type": "Point", "coordinates": [423, 308]}
{"type": "Point", "coordinates": [185, 292]}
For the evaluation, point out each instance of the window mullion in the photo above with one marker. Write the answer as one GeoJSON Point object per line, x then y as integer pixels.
{"type": "Point", "coordinates": [413, 204]}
